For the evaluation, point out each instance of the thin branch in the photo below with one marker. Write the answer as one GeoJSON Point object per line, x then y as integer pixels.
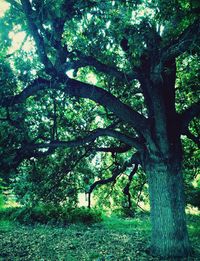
{"type": "Point", "coordinates": [18, 157]}
{"type": "Point", "coordinates": [140, 192]}
{"type": "Point", "coordinates": [101, 182]}
{"type": "Point", "coordinates": [36, 35]}
{"type": "Point", "coordinates": [63, 172]}
{"type": "Point", "coordinates": [117, 171]}
{"type": "Point", "coordinates": [192, 137]}
{"type": "Point", "coordinates": [99, 66]}
{"type": "Point", "coordinates": [126, 190]}
{"type": "Point", "coordinates": [183, 43]}
{"type": "Point", "coordinates": [121, 149]}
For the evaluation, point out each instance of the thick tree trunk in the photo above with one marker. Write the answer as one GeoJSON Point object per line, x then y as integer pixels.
{"type": "Point", "coordinates": [169, 231]}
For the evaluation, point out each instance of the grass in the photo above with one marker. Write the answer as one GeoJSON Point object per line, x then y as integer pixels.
{"type": "Point", "coordinates": [6, 225]}
{"type": "Point", "coordinates": [128, 225]}
{"type": "Point", "coordinates": [111, 240]}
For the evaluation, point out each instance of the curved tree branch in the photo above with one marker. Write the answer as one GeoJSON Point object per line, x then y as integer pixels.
{"type": "Point", "coordinates": [90, 138]}
{"type": "Point", "coordinates": [188, 115]}
{"type": "Point", "coordinates": [79, 89]}
{"type": "Point", "coordinates": [193, 138]}
{"type": "Point", "coordinates": [117, 171]}
{"type": "Point", "coordinates": [74, 87]}
{"type": "Point", "coordinates": [183, 43]}
{"type": "Point", "coordinates": [18, 156]}
{"type": "Point", "coordinates": [84, 61]}
{"type": "Point", "coordinates": [126, 190]}
{"type": "Point", "coordinates": [121, 149]}
{"type": "Point", "coordinates": [38, 84]}
{"type": "Point", "coordinates": [106, 99]}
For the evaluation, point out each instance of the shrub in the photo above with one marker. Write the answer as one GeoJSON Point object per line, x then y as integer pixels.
{"type": "Point", "coordinates": [85, 215]}
{"type": "Point", "coordinates": [193, 197]}
{"type": "Point", "coordinates": [7, 213]}
{"type": "Point", "coordinates": [124, 212]}
{"type": "Point", "coordinates": [50, 214]}
{"type": "Point", "coordinates": [42, 214]}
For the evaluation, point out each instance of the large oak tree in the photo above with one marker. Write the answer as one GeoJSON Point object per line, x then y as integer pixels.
{"type": "Point", "coordinates": [132, 50]}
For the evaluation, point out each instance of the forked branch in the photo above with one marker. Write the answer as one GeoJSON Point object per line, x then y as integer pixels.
{"type": "Point", "coordinates": [117, 171]}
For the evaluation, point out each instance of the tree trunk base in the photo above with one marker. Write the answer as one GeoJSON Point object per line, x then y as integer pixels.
{"type": "Point", "coordinates": [175, 253]}
{"type": "Point", "coordinates": [151, 251]}
{"type": "Point", "coordinates": [169, 237]}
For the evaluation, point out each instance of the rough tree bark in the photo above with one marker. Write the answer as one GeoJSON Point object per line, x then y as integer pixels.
{"type": "Point", "coordinates": [162, 162]}
{"type": "Point", "coordinates": [169, 233]}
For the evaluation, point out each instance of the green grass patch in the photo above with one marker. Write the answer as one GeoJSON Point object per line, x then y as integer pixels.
{"type": "Point", "coordinates": [6, 225]}
{"type": "Point", "coordinates": [128, 225]}
{"type": "Point", "coordinates": [113, 239]}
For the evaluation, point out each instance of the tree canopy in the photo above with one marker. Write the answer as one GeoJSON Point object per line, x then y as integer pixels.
{"type": "Point", "coordinates": [104, 47]}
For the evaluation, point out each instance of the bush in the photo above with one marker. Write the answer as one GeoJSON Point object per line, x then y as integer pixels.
{"type": "Point", "coordinates": [42, 214]}
{"type": "Point", "coordinates": [1, 201]}
{"type": "Point", "coordinates": [85, 215]}
{"type": "Point", "coordinates": [124, 212]}
{"type": "Point", "coordinates": [49, 214]}
{"type": "Point", "coordinates": [7, 213]}
{"type": "Point", "coordinates": [193, 197]}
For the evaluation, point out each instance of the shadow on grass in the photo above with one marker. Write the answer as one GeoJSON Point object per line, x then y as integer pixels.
{"type": "Point", "coordinates": [111, 240]}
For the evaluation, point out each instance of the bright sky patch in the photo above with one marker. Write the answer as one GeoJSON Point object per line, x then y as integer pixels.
{"type": "Point", "coordinates": [4, 6]}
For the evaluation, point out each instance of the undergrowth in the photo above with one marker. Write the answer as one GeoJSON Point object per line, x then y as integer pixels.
{"type": "Point", "coordinates": [49, 214]}
{"type": "Point", "coordinates": [113, 239]}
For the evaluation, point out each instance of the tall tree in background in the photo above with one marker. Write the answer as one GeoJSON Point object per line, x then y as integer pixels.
{"type": "Point", "coordinates": [130, 51]}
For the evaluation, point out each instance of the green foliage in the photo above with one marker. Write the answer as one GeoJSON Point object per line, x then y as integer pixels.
{"type": "Point", "coordinates": [2, 196]}
{"type": "Point", "coordinates": [1, 201]}
{"type": "Point", "coordinates": [188, 87]}
{"type": "Point", "coordinates": [6, 225]}
{"type": "Point", "coordinates": [95, 28]}
{"type": "Point", "coordinates": [191, 169]}
{"type": "Point", "coordinates": [112, 199]}
{"type": "Point", "coordinates": [193, 196]}
{"type": "Point", "coordinates": [125, 212]}
{"type": "Point", "coordinates": [56, 183]}
{"type": "Point", "coordinates": [50, 214]}
{"type": "Point", "coordinates": [85, 215]}
{"type": "Point", "coordinates": [8, 214]}
{"type": "Point", "coordinates": [38, 214]}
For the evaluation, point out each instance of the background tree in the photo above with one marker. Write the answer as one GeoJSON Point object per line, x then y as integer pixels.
{"type": "Point", "coordinates": [116, 65]}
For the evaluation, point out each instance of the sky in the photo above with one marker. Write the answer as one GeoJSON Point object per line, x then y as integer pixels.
{"type": "Point", "coordinates": [21, 41]}
{"type": "Point", "coordinates": [17, 36]}
{"type": "Point", "coordinates": [4, 6]}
